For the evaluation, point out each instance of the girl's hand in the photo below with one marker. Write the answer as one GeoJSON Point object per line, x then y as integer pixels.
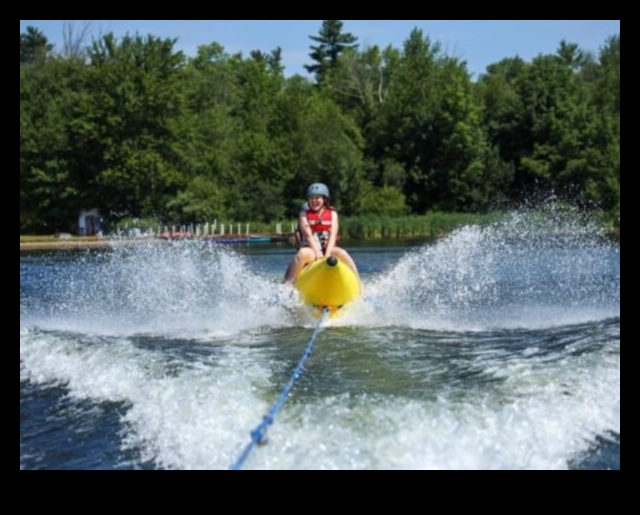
{"type": "Point", "coordinates": [319, 254]}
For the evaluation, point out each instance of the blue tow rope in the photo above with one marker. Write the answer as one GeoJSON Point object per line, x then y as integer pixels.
{"type": "Point", "coordinates": [258, 436]}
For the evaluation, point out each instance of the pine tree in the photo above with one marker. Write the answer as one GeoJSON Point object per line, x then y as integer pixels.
{"type": "Point", "coordinates": [34, 45]}
{"type": "Point", "coordinates": [332, 42]}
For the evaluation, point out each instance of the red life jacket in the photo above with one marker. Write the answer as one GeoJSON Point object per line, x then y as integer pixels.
{"type": "Point", "coordinates": [320, 223]}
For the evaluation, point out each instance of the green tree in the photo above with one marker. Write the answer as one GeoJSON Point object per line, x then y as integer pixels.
{"type": "Point", "coordinates": [332, 42]}
{"type": "Point", "coordinates": [208, 129]}
{"type": "Point", "coordinates": [52, 102]}
{"type": "Point", "coordinates": [360, 82]}
{"type": "Point", "coordinates": [130, 134]}
{"type": "Point", "coordinates": [232, 146]}
{"type": "Point", "coordinates": [258, 172]}
{"type": "Point", "coordinates": [570, 143]}
{"type": "Point", "coordinates": [318, 143]}
{"type": "Point", "coordinates": [607, 80]}
{"type": "Point", "coordinates": [383, 201]}
{"type": "Point", "coordinates": [133, 128]}
{"type": "Point", "coordinates": [430, 124]}
{"type": "Point", "coordinates": [548, 121]}
{"type": "Point", "coordinates": [34, 45]}
{"type": "Point", "coordinates": [607, 102]}
{"type": "Point", "coordinates": [571, 55]}
{"type": "Point", "coordinates": [502, 107]}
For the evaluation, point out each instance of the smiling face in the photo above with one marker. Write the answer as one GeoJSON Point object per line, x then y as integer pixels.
{"type": "Point", "coordinates": [316, 202]}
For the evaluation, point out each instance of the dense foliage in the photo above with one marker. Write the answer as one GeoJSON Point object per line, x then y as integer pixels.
{"type": "Point", "coordinates": [136, 129]}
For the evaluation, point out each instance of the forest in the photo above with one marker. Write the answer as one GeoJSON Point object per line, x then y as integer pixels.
{"type": "Point", "coordinates": [138, 130]}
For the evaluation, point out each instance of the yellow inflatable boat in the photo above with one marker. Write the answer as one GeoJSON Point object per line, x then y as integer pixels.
{"type": "Point", "coordinates": [328, 283]}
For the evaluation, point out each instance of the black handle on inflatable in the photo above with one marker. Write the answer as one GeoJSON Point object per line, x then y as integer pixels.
{"type": "Point", "coordinates": [332, 261]}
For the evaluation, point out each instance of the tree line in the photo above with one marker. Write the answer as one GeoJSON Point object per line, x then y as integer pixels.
{"type": "Point", "coordinates": [138, 130]}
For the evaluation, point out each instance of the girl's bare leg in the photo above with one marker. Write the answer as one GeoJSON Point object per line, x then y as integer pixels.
{"type": "Point", "coordinates": [304, 256]}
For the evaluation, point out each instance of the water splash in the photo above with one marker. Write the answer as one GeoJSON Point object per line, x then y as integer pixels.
{"type": "Point", "coordinates": [186, 339]}
{"type": "Point", "coordinates": [532, 269]}
{"type": "Point", "coordinates": [184, 289]}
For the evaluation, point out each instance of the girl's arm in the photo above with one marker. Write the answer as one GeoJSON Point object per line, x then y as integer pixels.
{"type": "Point", "coordinates": [335, 227]}
{"type": "Point", "coordinates": [308, 235]}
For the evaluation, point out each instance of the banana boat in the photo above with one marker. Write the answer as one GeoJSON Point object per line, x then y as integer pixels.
{"type": "Point", "coordinates": [329, 283]}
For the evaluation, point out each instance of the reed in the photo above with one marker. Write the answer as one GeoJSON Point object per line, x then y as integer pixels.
{"type": "Point", "coordinates": [431, 225]}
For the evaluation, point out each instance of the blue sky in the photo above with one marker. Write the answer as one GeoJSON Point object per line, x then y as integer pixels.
{"type": "Point", "coordinates": [478, 42]}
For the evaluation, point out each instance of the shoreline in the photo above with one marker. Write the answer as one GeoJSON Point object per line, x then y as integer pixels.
{"type": "Point", "coordinates": [104, 243]}
{"type": "Point", "coordinates": [58, 245]}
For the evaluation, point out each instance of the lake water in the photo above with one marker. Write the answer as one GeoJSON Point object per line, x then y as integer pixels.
{"type": "Point", "coordinates": [491, 348]}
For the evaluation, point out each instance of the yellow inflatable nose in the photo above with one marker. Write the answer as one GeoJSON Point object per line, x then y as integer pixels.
{"type": "Point", "coordinates": [328, 282]}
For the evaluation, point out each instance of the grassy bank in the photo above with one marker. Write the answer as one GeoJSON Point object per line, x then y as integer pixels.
{"type": "Point", "coordinates": [371, 227]}
{"type": "Point", "coordinates": [431, 225]}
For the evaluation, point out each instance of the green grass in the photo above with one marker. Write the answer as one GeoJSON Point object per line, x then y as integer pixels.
{"type": "Point", "coordinates": [431, 225]}
{"type": "Point", "coordinates": [367, 227]}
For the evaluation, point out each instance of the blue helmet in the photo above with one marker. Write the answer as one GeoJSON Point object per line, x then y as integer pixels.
{"type": "Point", "coordinates": [318, 189]}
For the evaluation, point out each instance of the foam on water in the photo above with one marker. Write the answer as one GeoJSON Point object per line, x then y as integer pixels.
{"type": "Point", "coordinates": [522, 272]}
{"type": "Point", "coordinates": [527, 409]}
{"type": "Point", "coordinates": [527, 271]}
{"type": "Point", "coordinates": [180, 290]}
